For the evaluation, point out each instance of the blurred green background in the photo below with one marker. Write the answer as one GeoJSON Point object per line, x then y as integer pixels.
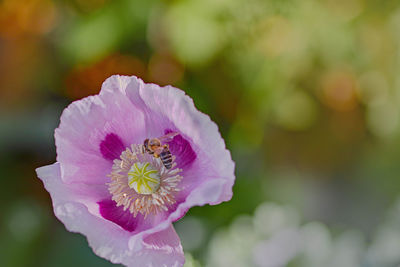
{"type": "Point", "coordinates": [306, 94]}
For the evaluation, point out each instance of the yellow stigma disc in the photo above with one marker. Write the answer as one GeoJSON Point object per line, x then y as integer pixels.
{"type": "Point", "coordinates": [143, 178]}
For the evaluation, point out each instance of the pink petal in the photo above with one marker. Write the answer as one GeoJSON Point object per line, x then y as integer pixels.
{"type": "Point", "coordinates": [108, 240]}
{"type": "Point", "coordinates": [169, 109]}
{"type": "Point", "coordinates": [84, 148]}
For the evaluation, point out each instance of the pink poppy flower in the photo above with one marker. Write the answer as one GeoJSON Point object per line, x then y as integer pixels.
{"type": "Point", "coordinates": [122, 195]}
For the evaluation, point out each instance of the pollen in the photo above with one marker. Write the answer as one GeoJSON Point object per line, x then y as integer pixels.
{"type": "Point", "coordinates": [141, 183]}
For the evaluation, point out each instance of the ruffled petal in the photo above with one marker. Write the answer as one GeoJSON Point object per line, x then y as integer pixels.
{"type": "Point", "coordinates": [117, 83]}
{"type": "Point", "coordinates": [94, 130]}
{"type": "Point", "coordinates": [108, 240]}
{"type": "Point", "coordinates": [169, 109]}
{"type": "Point", "coordinates": [162, 249]}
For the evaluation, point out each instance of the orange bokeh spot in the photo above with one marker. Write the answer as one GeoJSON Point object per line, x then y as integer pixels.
{"type": "Point", "coordinates": [338, 90]}
{"type": "Point", "coordinates": [87, 80]}
{"type": "Point", "coordinates": [31, 17]}
{"type": "Point", "coordinates": [165, 69]}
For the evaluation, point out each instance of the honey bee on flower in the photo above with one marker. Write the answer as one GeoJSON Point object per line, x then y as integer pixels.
{"type": "Point", "coordinates": [158, 148]}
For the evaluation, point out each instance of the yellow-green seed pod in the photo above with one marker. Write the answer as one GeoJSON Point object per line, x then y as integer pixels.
{"type": "Point", "coordinates": [143, 178]}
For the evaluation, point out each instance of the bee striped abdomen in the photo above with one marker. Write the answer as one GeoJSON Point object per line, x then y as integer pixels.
{"type": "Point", "coordinates": [166, 158]}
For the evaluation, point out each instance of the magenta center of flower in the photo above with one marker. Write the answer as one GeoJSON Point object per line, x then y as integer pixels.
{"type": "Point", "coordinates": [141, 183]}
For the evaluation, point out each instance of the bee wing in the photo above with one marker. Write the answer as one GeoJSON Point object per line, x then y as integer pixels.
{"type": "Point", "coordinates": [168, 137]}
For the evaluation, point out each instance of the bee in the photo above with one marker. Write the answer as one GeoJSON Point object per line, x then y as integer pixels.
{"type": "Point", "coordinates": [158, 148]}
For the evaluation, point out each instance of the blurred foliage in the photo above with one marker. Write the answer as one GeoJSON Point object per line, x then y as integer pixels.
{"type": "Point", "coordinates": [305, 93]}
{"type": "Point", "coordinates": [274, 236]}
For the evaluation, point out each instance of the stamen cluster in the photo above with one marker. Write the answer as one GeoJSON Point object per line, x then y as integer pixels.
{"type": "Point", "coordinates": [134, 198]}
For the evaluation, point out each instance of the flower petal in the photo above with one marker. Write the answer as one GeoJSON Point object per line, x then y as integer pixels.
{"type": "Point", "coordinates": [111, 147]}
{"type": "Point", "coordinates": [182, 149]}
{"type": "Point", "coordinates": [168, 108]}
{"type": "Point", "coordinates": [117, 83]}
{"type": "Point", "coordinates": [108, 240]}
{"type": "Point", "coordinates": [110, 211]}
{"type": "Point", "coordinates": [93, 130]}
